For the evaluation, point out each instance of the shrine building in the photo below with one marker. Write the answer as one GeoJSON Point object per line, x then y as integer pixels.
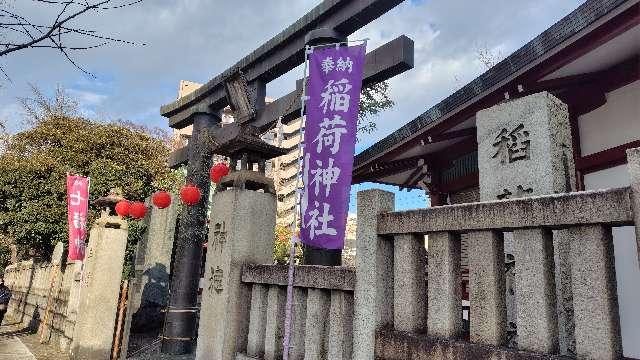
{"type": "Point", "coordinates": [590, 60]}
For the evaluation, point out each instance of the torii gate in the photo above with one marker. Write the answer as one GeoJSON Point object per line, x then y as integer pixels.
{"type": "Point", "coordinates": [329, 21]}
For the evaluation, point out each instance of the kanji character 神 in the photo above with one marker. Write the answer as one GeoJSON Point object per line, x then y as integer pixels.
{"type": "Point", "coordinates": [322, 221]}
{"type": "Point", "coordinates": [325, 176]}
{"type": "Point", "coordinates": [336, 96]}
{"type": "Point", "coordinates": [330, 133]}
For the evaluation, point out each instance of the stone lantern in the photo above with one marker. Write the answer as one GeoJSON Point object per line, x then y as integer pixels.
{"type": "Point", "coordinates": [107, 218]}
{"type": "Point", "coordinates": [247, 151]}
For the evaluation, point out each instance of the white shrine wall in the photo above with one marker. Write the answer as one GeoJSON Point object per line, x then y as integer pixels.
{"type": "Point", "coordinates": [615, 123]}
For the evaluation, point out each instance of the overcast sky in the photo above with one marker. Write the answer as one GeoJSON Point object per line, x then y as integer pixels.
{"type": "Point", "coordinates": [197, 39]}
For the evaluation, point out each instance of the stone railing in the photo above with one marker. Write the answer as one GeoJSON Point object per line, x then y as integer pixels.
{"type": "Point", "coordinates": [322, 312]}
{"type": "Point", "coordinates": [392, 262]}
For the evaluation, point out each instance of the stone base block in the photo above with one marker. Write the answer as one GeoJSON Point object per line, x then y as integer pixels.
{"type": "Point", "coordinates": [395, 345]}
{"type": "Point", "coordinates": [245, 357]}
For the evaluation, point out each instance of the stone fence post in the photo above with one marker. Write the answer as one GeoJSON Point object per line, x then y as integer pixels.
{"type": "Point", "coordinates": [149, 289]}
{"type": "Point", "coordinates": [633, 159]}
{"type": "Point", "coordinates": [373, 295]}
{"type": "Point", "coordinates": [99, 289]}
{"type": "Point", "coordinates": [524, 149]}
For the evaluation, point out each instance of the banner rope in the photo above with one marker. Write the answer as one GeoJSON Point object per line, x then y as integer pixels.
{"type": "Point", "coordinates": [294, 237]}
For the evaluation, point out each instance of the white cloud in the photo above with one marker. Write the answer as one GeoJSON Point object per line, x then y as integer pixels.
{"type": "Point", "coordinates": [13, 115]}
{"type": "Point", "coordinates": [197, 39]}
{"type": "Point", "coordinates": [87, 98]}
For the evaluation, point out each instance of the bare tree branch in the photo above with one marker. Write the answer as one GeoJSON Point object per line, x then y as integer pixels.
{"type": "Point", "coordinates": [85, 4]}
{"type": "Point", "coordinates": [63, 47]}
{"type": "Point", "coordinates": [56, 25]}
{"type": "Point", "coordinates": [19, 33]}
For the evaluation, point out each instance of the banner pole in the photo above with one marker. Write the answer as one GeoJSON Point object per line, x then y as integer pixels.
{"type": "Point", "coordinates": [294, 238]}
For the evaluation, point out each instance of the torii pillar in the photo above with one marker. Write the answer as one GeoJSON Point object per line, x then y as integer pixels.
{"type": "Point", "coordinates": [248, 78]}
{"type": "Point", "coordinates": [181, 317]}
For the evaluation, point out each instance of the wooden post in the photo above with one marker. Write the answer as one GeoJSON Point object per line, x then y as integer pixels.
{"type": "Point", "coordinates": [56, 260]}
{"type": "Point", "coordinates": [42, 329]}
{"type": "Point", "coordinates": [122, 306]}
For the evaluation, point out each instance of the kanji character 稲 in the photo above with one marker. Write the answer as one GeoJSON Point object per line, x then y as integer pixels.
{"type": "Point", "coordinates": [512, 146]}
{"type": "Point", "coordinates": [336, 96]}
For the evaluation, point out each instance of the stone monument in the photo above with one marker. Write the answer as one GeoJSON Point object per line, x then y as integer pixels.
{"type": "Point", "coordinates": [100, 285]}
{"type": "Point", "coordinates": [525, 149]}
{"type": "Point", "coordinates": [243, 218]}
{"type": "Point", "coordinates": [149, 289]}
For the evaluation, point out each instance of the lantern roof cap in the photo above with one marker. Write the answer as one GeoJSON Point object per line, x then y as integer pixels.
{"type": "Point", "coordinates": [110, 201]}
{"type": "Point", "coordinates": [233, 141]}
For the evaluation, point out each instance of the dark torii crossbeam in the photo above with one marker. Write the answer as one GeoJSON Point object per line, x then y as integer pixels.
{"type": "Point", "coordinates": [201, 108]}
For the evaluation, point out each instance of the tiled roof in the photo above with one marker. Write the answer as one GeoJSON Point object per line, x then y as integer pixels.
{"type": "Point", "coordinates": [579, 19]}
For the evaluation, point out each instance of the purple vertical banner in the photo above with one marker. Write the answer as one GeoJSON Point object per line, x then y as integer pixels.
{"type": "Point", "coordinates": [335, 81]}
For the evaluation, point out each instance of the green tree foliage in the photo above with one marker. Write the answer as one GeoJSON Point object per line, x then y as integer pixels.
{"type": "Point", "coordinates": [281, 243]}
{"type": "Point", "coordinates": [34, 162]}
{"type": "Point", "coordinates": [373, 99]}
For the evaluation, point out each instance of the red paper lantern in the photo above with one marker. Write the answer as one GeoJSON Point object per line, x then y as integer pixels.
{"type": "Point", "coordinates": [122, 208]}
{"type": "Point", "coordinates": [138, 210]}
{"type": "Point", "coordinates": [190, 194]}
{"type": "Point", "coordinates": [161, 199]}
{"type": "Point", "coordinates": [219, 171]}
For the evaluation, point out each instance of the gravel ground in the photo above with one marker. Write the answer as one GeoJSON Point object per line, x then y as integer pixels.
{"type": "Point", "coordinates": [146, 346]}
{"type": "Point", "coordinates": [152, 352]}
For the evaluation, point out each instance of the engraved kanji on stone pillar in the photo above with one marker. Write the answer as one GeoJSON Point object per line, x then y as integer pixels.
{"type": "Point", "coordinates": [525, 149]}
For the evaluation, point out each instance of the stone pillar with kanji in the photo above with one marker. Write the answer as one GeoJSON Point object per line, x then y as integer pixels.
{"type": "Point", "coordinates": [525, 149]}
{"type": "Point", "coordinates": [241, 231]}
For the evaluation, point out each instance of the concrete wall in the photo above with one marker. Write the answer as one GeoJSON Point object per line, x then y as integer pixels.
{"type": "Point", "coordinates": [30, 283]}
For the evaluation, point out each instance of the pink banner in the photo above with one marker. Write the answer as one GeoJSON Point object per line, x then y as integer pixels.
{"type": "Point", "coordinates": [78, 206]}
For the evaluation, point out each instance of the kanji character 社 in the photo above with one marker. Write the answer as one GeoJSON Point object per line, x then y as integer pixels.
{"type": "Point", "coordinates": [322, 221]}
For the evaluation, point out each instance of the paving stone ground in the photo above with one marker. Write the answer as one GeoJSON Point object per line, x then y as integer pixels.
{"type": "Point", "coordinates": [19, 343]}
